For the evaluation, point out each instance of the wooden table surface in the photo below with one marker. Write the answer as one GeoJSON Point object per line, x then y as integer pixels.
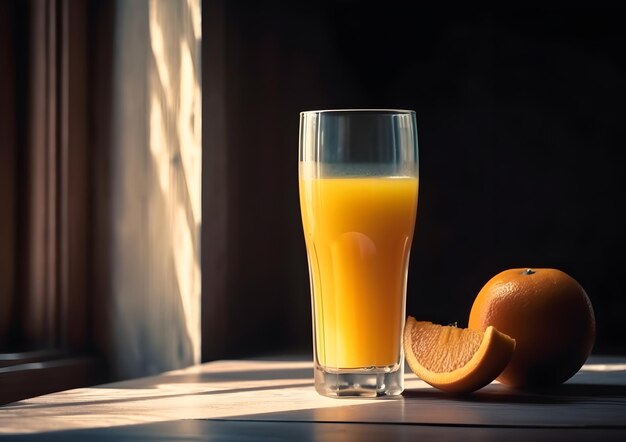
{"type": "Point", "coordinates": [275, 400]}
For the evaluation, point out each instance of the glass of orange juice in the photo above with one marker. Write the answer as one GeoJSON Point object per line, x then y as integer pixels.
{"type": "Point", "coordinates": [358, 178]}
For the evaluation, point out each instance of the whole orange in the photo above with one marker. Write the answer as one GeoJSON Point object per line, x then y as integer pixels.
{"type": "Point", "coordinates": [549, 315]}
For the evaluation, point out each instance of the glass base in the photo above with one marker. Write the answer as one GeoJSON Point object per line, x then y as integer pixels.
{"type": "Point", "coordinates": [365, 382]}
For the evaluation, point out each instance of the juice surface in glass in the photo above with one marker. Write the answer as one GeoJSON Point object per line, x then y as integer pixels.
{"type": "Point", "coordinates": [358, 234]}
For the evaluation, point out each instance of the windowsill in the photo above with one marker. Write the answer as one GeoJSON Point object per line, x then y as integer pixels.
{"type": "Point", "coordinates": [31, 374]}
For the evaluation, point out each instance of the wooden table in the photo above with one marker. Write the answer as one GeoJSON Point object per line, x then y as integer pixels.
{"type": "Point", "coordinates": [275, 400]}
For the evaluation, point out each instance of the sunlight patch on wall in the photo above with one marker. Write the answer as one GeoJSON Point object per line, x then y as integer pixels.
{"type": "Point", "coordinates": [155, 187]}
{"type": "Point", "coordinates": [175, 143]}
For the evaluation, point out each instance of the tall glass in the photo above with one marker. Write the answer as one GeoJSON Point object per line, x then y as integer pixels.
{"type": "Point", "coordinates": [358, 172]}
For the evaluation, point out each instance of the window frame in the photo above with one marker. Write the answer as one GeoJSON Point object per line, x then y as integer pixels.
{"type": "Point", "coordinates": [52, 297]}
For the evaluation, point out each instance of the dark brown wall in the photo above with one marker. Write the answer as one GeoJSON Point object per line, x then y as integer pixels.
{"type": "Point", "coordinates": [520, 120]}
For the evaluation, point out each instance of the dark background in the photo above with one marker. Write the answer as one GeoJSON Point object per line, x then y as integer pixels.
{"type": "Point", "coordinates": [521, 130]}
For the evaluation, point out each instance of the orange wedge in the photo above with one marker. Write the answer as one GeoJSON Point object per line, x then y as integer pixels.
{"type": "Point", "coordinates": [455, 360]}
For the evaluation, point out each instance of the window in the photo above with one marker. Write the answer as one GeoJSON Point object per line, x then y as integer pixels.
{"type": "Point", "coordinates": [100, 195]}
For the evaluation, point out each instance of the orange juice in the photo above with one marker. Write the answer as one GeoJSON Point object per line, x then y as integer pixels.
{"type": "Point", "coordinates": [358, 235]}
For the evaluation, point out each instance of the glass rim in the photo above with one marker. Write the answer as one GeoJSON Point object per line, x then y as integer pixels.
{"type": "Point", "coordinates": [364, 110]}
